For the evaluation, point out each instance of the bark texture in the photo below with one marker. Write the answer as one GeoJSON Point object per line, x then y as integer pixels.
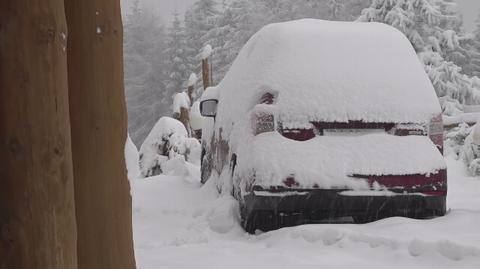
{"type": "Point", "coordinates": [206, 76]}
{"type": "Point", "coordinates": [99, 131]}
{"type": "Point", "coordinates": [37, 214]}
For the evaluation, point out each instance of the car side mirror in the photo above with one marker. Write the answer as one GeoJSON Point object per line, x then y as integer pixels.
{"type": "Point", "coordinates": [208, 108]}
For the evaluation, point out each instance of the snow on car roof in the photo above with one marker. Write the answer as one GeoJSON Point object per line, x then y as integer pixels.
{"type": "Point", "coordinates": [329, 161]}
{"type": "Point", "coordinates": [329, 71]}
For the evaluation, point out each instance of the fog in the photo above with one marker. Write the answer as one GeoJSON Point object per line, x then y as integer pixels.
{"type": "Point", "coordinates": [469, 8]}
{"type": "Point", "coordinates": [165, 8]}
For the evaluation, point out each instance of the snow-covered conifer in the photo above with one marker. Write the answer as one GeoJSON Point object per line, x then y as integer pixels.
{"type": "Point", "coordinates": [176, 55]}
{"type": "Point", "coordinates": [144, 46]}
{"type": "Point", "coordinates": [199, 19]}
{"type": "Point", "coordinates": [431, 28]}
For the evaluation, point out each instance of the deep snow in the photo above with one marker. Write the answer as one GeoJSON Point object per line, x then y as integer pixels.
{"type": "Point", "coordinates": [180, 224]}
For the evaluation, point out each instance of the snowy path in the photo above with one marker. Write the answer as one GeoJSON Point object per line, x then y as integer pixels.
{"type": "Point", "coordinates": [177, 224]}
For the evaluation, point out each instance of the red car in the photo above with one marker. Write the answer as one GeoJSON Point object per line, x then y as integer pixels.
{"type": "Point", "coordinates": [317, 120]}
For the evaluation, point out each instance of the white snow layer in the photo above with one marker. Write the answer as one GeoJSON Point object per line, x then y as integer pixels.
{"type": "Point", "coordinates": [329, 71]}
{"type": "Point", "coordinates": [210, 93]}
{"type": "Point", "coordinates": [132, 159]}
{"type": "Point", "coordinates": [180, 100]}
{"type": "Point", "coordinates": [328, 161]}
{"type": "Point", "coordinates": [196, 119]}
{"type": "Point", "coordinates": [208, 123]}
{"type": "Point", "coordinates": [192, 80]}
{"type": "Point", "coordinates": [207, 51]}
{"type": "Point", "coordinates": [179, 224]}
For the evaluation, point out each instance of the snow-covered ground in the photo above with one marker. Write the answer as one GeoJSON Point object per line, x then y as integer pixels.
{"type": "Point", "coordinates": [180, 224]}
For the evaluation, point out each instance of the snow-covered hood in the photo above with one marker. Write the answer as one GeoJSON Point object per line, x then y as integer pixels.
{"type": "Point", "coordinates": [330, 162]}
{"type": "Point", "coordinates": [329, 71]}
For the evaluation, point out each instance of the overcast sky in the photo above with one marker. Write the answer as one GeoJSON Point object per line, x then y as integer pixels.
{"type": "Point", "coordinates": [469, 8]}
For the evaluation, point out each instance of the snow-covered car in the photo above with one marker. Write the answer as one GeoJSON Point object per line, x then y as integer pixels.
{"type": "Point", "coordinates": [318, 120]}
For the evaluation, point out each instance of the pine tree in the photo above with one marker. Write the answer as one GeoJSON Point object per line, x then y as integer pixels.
{"type": "Point", "coordinates": [240, 19]}
{"type": "Point", "coordinates": [232, 31]}
{"type": "Point", "coordinates": [178, 67]}
{"type": "Point", "coordinates": [144, 48]}
{"type": "Point", "coordinates": [476, 31]}
{"type": "Point", "coordinates": [431, 28]}
{"type": "Point", "coordinates": [472, 61]}
{"type": "Point", "coordinates": [199, 19]}
{"type": "Point", "coordinates": [335, 7]}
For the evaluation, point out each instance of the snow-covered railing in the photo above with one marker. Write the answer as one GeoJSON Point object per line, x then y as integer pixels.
{"type": "Point", "coordinates": [469, 118]}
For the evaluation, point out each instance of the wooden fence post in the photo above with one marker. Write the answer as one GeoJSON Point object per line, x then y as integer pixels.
{"type": "Point", "coordinates": [192, 80]}
{"type": "Point", "coordinates": [185, 119]}
{"type": "Point", "coordinates": [206, 75]}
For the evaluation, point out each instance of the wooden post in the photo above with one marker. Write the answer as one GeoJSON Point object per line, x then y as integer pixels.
{"type": "Point", "coordinates": [211, 74]}
{"type": "Point", "coordinates": [206, 74]}
{"type": "Point", "coordinates": [185, 119]}
{"type": "Point", "coordinates": [99, 131]}
{"type": "Point", "coordinates": [190, 93]}
{"type": "Point", "coordinates": [37, 209]}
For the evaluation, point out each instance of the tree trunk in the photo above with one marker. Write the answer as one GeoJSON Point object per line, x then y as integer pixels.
{"type": "Point", "coordinates": [37, 210]}
{"type": "Point", "coordinates": [206, 74]}
{"type": "Point", "coordinates": [99, 131]}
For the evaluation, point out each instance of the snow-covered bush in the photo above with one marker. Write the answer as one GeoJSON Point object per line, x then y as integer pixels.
{"type": "Point", "coordinates": [179, 145]}
{"type": "Point", "coordinates": [464, 142]}
{"type": "Point", "coordinates": [168, 140]}
{"type": "Point", "coordinates": [431, 26]}
{"type": "Point", "coordinates": [183, 158]}
{"type": "Point", "coordinates": [471, 150]}
{"type": "Point", "coordinates": [455, 139]}
{"type": "Point", "coordinates": [145, 71]}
